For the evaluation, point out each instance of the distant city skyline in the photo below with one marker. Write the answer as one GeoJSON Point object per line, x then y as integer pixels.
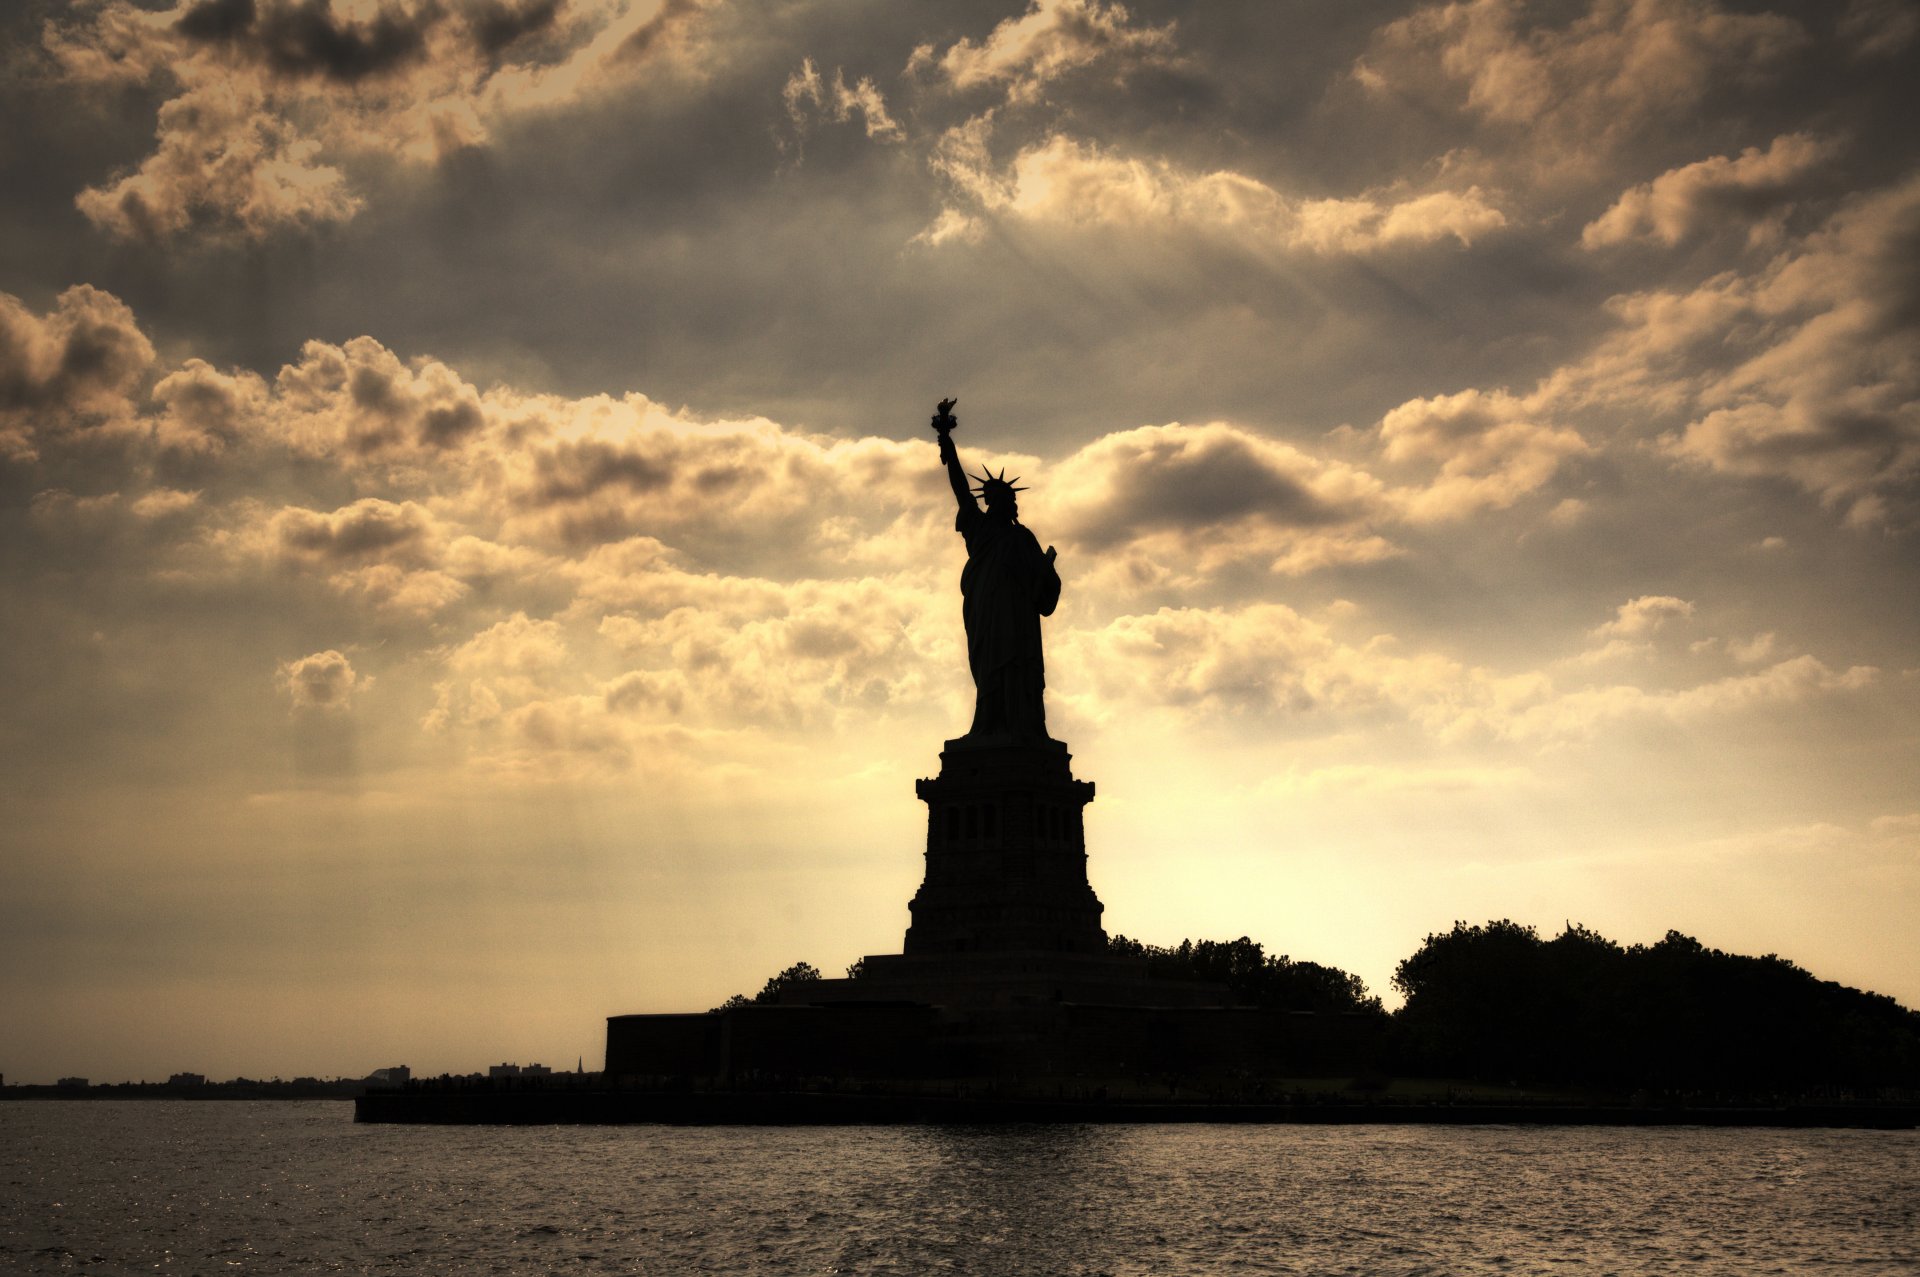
{"type": "Point", "coordinates": [476, 561]}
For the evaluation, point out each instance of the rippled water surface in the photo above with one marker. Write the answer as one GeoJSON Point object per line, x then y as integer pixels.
{"type": "Point", "coordinates": [266, 1187]}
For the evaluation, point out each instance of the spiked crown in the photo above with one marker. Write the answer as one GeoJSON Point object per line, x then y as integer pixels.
{"type": "Point", "coordinates": [993, 485]}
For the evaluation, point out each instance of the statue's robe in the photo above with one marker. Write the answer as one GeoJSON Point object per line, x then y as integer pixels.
{"type": "Point", "coordinates": [1008, 585]}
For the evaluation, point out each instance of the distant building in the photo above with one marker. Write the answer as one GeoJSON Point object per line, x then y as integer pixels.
{"type": "Point", "coordinates": [519, 1070]}
{"type": "Point", "coordinates": [187, 1079]}
{"type": "Point", "coordinates": [393, 1075]}
{"type": "Point", "coordinates": [72, 1083]}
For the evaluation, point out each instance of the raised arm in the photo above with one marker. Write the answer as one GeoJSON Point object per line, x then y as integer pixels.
{"type": "Point", "coordinates": [943, 424]}
{"type": "Point", "coordinates": [962, 490]}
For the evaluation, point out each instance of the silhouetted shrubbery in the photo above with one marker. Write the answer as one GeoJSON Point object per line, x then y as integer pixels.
{"type": "Point", "coordinates": [1245, 968]}
{"type": "Point", "coordinates": [797, 974]}
{"type": "Point", "coordinates": [1499, 1003]}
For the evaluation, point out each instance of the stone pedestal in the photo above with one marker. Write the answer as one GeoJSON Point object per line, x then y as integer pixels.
{"type": "Point", "coordinates": [1006, 854]}
{"type": "Point", "coordinates": [1004, 973]}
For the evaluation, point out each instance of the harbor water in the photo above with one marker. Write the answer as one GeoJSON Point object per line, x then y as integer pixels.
{"type": "Point", "coordinates": [297, 1187]}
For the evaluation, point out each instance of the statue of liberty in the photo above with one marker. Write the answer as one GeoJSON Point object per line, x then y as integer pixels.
{"type": "Point", "coordinates": [1008, 585]}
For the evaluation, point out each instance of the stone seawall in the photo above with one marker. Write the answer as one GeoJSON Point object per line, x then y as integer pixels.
{"type": "Point", "coordinates": [781, 1108]}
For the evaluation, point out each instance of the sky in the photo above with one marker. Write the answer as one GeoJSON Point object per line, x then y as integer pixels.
{"type": "Point", "coordinates": [475, 560]}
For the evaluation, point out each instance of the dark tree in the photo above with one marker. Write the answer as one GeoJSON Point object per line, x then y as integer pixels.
{"type": "Point", "coordinates": [798, 974]}
{"type": "Point", "coordinates": [1245, 968]}
{"type": "Point", "coordinates": [1496, 1002]}
{"type": "Point", "coordinates": [1475, 998]}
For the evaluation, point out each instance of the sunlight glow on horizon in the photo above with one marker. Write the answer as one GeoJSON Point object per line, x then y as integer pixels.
{"type": "Point", "coordinates": [477, 563]}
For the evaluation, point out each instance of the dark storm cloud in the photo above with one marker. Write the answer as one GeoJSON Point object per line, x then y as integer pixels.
{"type": "Point", "coordinates": [369, 528]}
{"type": "Point", "coordinates": [382, 391]}
{"type": "Point", "coordinates": [814, 277]}
{"type": "Point", "coordinates": [699, 242]}
{"type": "Point", "coordinates": [672, 20]}
{"type": "Point", "coordinates": [1189, 479]}
{"type": "Point", "coordinates": [574, 470]}
{"type": "Point", "coordinates": [274, 114]}
{"type": "Point", "coordinates": [305, 37]}
{"type": "Point", "coordinates": [498, 25]}
{"type": "Point", "coordinates": [88, 352]}
{"type": "Point", "coordinates": [217, 19]}
{"type": "Point", "coordinates": [299, 37]}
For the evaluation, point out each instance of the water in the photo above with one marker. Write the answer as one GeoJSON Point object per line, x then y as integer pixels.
{"type": "Point", "coordinates": [269, 1187]}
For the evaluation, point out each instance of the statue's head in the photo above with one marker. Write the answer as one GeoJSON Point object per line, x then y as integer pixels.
{"type": "Point", "coordinates": [998, 493]}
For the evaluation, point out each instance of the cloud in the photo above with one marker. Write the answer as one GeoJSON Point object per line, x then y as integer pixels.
{"type": "Point", "coordinates": [370, 528]}
{"type": "Point", "coordinates": [85, 355]}
{"type": "Point", "coordinates": [857, 649]}
{"type": "Point", "coordinates": [1874, 29]}
{"type": "Point", "coordinates": [1631, 631]}
{"type": "Point", "coordinates": [206, 412]}
{"type": "Point", "coordinates": [223, 156]}
{"type": "Point", "coordinates": [1364, 223]}
{"type": "Point", "coordinates": [1638, 618]}
{"type": "Point", "coordinates": [1828, 395]}
{"type": "Point", "coordinates": [608, 472]}
{"type": "Point", "coordinates": [809, 97]}
{"type": "Point", "coordinates": [670, 27]}
{"type": "Point", "coordinates": [702, 654]}
{"type": "Point", "coordinates": [1584, 712]}
{"type": "Point", "coordinates": [1271, 662]}
{"type": "Point", "coordinates": [479, 487]}
{"type": "Point", "coordinates": [512, 662]}
{"type": "Point", "coordinates": [1205, 496]}
{"type": "Point", "coordinates": [386, 553]}
{"type": "Point", "coordinates": [164, 503]}
{"type": "Point", "coordinates": [306, 37]}
{"type": "Point", "coordinates": [1491, 447]}
{"type": "Point", "coordinates": [1803, 368]}
{"type": "Point", "coordinates": [1063, 181]}
{"type": "Point", "coordinates": [1051, 40]}
{"type": "Point", "coordinates": [1261, 659]}
{"type": "Point", "coordinates": [1680, 202]}
{"type": "Point", "coordinates": [66, 378]}
{"type": "Point", "coordinates": [588, 572]}
{"type": "Point", "coordinates": [1256, 335]}
{"type": "Point", "coordinates": [270, 102]}
{"type": "Point", "coordinates": [519, 649]}
{"type": "Point", "coordinates": [360, 399]}
{"type": "Point", "coordinates": [324, 682]}
{"type": "Point", "coordinates": [1572, 93]}
{"type": "Point", "coordinates": [118, 535]}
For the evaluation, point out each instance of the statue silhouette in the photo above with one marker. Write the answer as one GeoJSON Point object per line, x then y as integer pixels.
{"type": "Point", "coordinates": [1008, 585]}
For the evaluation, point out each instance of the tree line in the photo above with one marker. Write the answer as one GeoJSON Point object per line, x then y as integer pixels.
{"type": "Point", "coordinates": [1253, 975]}
{"type": "Point", "coordinates": [1498, 1003]}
